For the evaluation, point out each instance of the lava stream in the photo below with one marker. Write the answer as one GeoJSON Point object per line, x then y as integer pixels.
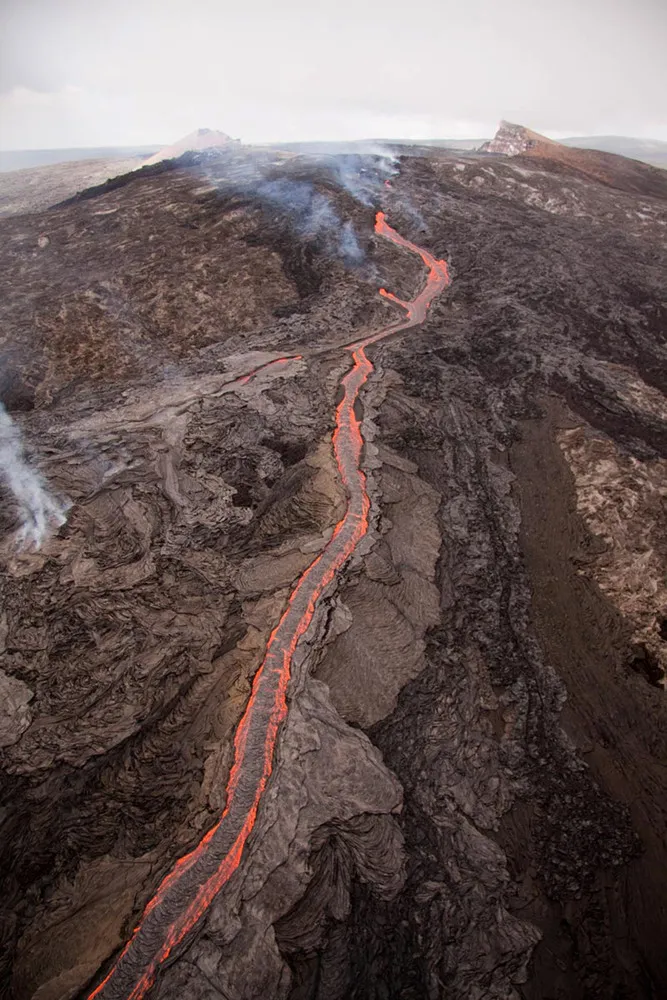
{"type": "Point", "coordinates": [187, 892]}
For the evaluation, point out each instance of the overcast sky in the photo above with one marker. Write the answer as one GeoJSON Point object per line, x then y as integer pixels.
{"type": "Point", "coordinates": [123, 72]}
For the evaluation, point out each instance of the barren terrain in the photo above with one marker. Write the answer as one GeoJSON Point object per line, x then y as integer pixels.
{"type": "Point", "coordinates": [467, 797]}
{"type": "Point", "coordinates": [33, 189]}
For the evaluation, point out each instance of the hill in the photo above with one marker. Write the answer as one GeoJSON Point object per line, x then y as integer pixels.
{"type": "Point", "coordinates": [203, 138]}
{"type": "Point", "coordinates": [608, 168]}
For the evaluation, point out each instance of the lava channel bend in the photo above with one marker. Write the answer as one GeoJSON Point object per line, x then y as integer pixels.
{"type": "Point", "coordinates": [188, 890]}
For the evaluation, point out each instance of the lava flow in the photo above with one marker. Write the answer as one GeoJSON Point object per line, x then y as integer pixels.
{"type": "Point", "coordinates": [187, 892]}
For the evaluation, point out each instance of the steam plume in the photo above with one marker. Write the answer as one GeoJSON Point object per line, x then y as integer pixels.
{"type": "Point", "coordinates": [312, 214]}
{"type": "Point", "coordinates": [348, 245]}
{"type": "Point", "coordinates": [363, 174]}
{"type": "Point", "coordinates": [38, 509]}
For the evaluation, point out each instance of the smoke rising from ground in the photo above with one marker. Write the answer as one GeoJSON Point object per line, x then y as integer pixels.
{"type": "Point", "coordinates": [310, 211]}
{"type": "Point", "coordinates": [363, 174]}
{"type": "Point", "coordinates": [348, 245]}
{"type": "Point", "coordinates": [312, 214]}
{"type": "Point", "coordinates": [38, 510]}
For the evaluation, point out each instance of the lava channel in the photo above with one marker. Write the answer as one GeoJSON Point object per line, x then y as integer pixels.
{"type": "Point", "coordinates": [188, 890]}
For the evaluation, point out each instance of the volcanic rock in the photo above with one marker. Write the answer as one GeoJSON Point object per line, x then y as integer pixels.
{"type": "Point", "coordinates": [608, 168]}
{"type": "Point", "coordinates": [468, 797]}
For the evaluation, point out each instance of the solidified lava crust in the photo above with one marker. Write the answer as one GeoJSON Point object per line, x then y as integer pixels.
{"type": "Point", "coordinates": [187, 892]}
{"type": "Point", "coordinates": [467, 794]}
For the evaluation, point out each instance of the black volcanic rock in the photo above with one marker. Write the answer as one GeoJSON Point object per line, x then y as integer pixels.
{"type": "Point", "coordinates": [469, 793]}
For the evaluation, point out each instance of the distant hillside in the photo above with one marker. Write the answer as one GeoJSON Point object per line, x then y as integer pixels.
{"type": "Point", "coordinates": [36, 188]}
{"type": "Point", "coordinates": [20, 159]}
{"type": "Point", "coordinates": [319, 147]}
{"type": "Point", "coordinates": [621, 172]}
{"type": "Point", "coordinates": [649, 150]}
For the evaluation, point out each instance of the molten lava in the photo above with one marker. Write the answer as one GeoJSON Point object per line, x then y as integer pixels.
{"type": "Point", "coordinates": [187, 892]}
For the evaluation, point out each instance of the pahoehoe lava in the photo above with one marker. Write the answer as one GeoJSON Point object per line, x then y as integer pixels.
{"type": "Point", "coordinates": [187, 892]}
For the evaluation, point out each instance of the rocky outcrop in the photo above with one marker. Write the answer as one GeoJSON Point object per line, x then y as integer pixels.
{"type": "Point", "coordinates": [510, 140]}
{"type": "Point", "coordinates": [590, 164]}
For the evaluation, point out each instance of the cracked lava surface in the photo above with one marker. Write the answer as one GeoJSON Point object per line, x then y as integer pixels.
{"type": "Point", "coordinates": [187, 892]}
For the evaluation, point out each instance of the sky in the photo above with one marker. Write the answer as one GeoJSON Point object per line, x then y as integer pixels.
{"type": "Point", "coordinates": [128, 72]}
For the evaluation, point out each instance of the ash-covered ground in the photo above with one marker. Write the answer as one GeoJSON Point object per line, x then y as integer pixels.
{"type": "Point", "coordinates": [468, 799]}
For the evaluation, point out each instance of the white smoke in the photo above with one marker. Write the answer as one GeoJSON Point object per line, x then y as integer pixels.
{"type": "Point", "coordinates": [363, 173]}
{"type": "Point", "coordinates": [312, 214]}
{"type": "Point", "coordinates": [39, 511]}
{"type": "Point", "coordinates": [348, 245]}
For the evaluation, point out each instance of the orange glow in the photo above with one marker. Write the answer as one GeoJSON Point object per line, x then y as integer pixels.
{"type": "Point", "coordinates": [394, 298]}
{"type": "Point", "coordinates": [187, 891]}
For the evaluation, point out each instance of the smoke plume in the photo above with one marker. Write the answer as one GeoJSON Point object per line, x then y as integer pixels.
{"type": "Point", "coordinates": [363, 174]}
{"type": "Point", "coordinates": [312, 214]}
{"type": "Point", "coordinates": [39, 511]}
{"type": "Point", "coordinates": [348, 245]}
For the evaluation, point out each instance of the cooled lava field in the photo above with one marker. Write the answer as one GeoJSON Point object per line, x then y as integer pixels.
{"type": "Point", "coordinates": [341, 675]}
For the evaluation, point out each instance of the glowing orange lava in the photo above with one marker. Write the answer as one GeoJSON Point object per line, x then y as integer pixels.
{"type": "Point", "coordinates": [187, 892]}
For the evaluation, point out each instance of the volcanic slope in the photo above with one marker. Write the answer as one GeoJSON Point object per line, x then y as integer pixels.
{"type": "Point", "coordinates": [468, 791]}
{"type": "Point", "coordinates": [33, 189]}
{"type": "Point", "coordinates": [596, 164]}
